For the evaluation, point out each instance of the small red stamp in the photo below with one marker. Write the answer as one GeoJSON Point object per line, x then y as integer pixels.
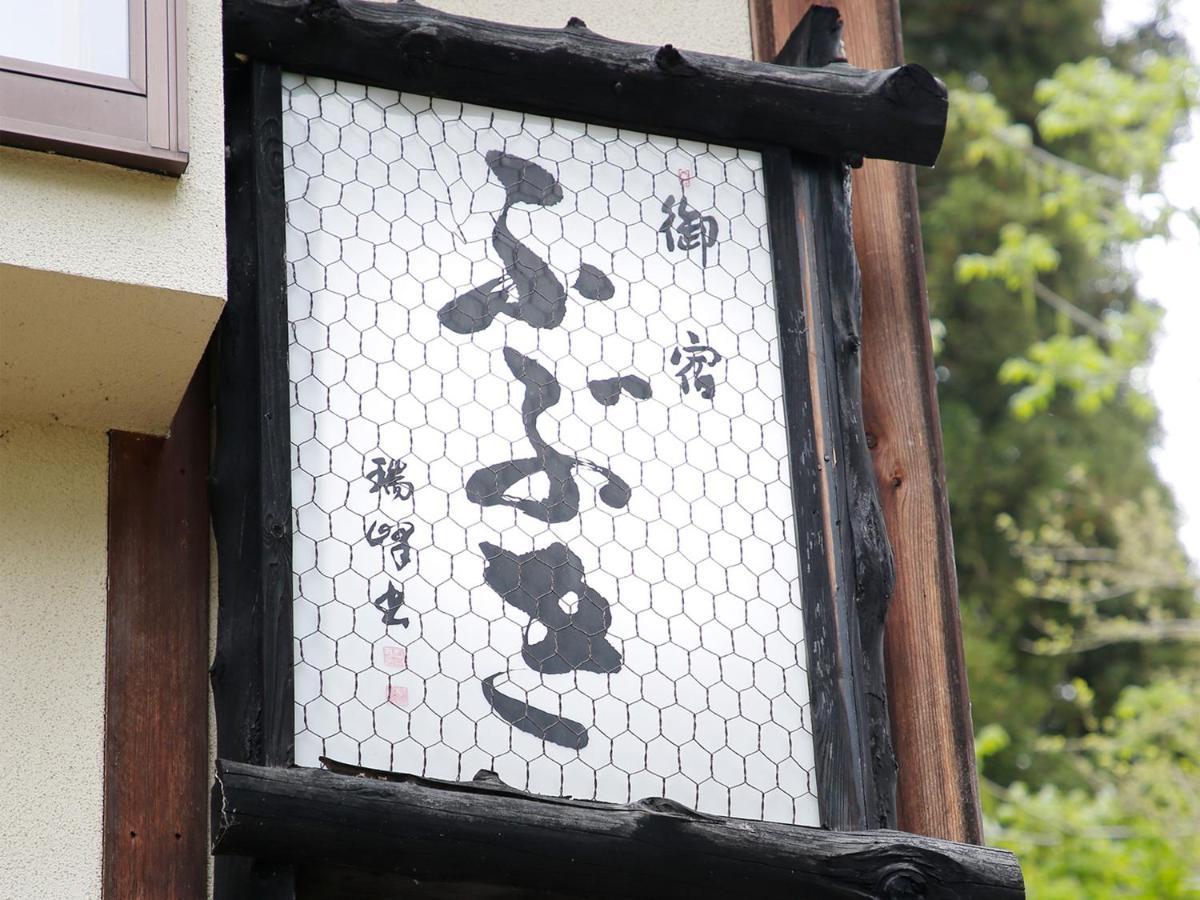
{"type": "Point", "coordinates": [395, 657]}
{"type": "Point", "coordinates": [397, 695]}
{"type": "Point", "coordinates": [685, 177]}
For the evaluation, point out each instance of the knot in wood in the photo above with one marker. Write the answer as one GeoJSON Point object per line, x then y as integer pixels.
{"type": "Point", "coordinates": [671, 61]}
{"type": "Point", "coordinates": [666, 806]}
{"type": "Point", "coordinates": [903, 882]}
{"type": "Point", "coordinates": [421, 45]}
{"type": "Point", "coordinates": [576, 22]}
{"type": "Point", "coordinates": [487, 776]}
{"type": "Point", "coordinates": [323, 11]}
{"type": "Point", "coordinates": [274, 154]}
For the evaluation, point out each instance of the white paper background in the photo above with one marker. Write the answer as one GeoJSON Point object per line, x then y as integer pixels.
{"type": "Point", "coordinates": [390, 212]}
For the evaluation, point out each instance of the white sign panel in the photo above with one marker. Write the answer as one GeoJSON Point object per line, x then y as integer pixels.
{"type": "Point", "coordinates": [543, 515]}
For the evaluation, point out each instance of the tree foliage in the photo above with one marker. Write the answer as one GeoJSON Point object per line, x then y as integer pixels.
{"type": "Point", "coordinates": [1131, 826]}
{"type": "Point", "coordinates": [1072, 581]}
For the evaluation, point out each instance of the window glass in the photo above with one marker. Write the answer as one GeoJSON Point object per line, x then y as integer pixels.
{"type": "Point", "coordinates": [89, 35]}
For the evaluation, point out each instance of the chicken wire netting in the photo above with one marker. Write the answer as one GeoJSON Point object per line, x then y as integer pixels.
{"type": "Point", "coordinates": [543, 521]}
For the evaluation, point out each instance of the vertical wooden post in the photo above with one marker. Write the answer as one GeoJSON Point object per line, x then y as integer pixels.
{"type": "Point", "coordinates": [937, 791]}
{"type": "Point", "coordinates": [156, 691]}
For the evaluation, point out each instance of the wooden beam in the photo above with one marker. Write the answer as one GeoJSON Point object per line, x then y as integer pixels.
{"type": "Point", "coordinates": [156, 695]}
{"type": "Point", "coordinates": [857, 782]}
{"type": "Point", "coordinates": [937, 792]}
{"type": "Point", "coordinates": [486, 832]}
{"type": "Point", "coordinates": [251, 496]}
{"type": "Point", "coordinates": [899, 113]}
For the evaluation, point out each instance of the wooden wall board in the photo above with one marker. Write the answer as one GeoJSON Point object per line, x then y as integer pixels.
{"type": "Point", "coordinates": [156, 694]}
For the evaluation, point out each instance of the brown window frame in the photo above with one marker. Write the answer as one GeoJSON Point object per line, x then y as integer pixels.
{"type": "Point", "coordinates": [139, 122]}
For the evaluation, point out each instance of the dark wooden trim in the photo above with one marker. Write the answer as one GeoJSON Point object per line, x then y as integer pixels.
{"type": "Point", "coordinates": [237, 673]}
{"type": "Point", "coordinates": [840, 789]}
{"type": "Point", "coordinates": [156, 699]}
{"type": "Point", "coordinates": [252, 671]}
{"type": "Point", "coordinates": [485, 832]}
{"type": "Point", "coordinates": [863, 793]}
{"type": "Point", "coordinates": [937, 792]}
{"type": "Point", "coordinates": [573, 72]}
{"type": "Point", "coordinates": [275, 464]}
{"type": "Point", "coordinates": [856, 768]}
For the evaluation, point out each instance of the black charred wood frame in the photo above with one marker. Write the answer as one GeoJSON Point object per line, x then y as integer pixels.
{"type": "Point", "coordinates": [283, 832]}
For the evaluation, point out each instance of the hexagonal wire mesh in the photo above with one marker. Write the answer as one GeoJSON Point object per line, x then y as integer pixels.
{"type": "Point", "coordinates": [543, 522]}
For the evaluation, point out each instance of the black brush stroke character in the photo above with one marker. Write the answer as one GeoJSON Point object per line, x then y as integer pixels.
{"type": "Point", "coordinates": [488, 486]}
{"type": "Point", "coordinates": [541, 298]}
{"type": "Point", "coordinates": [388, 476]}
{"type": "Point", "coordinates": [389, 603]}
{"type": "Point", "coordinates": [537, 583]}
{"type": "Point", "coordinates": [698, 357]}
{"type": "Point", "coordinates": [692, 230]}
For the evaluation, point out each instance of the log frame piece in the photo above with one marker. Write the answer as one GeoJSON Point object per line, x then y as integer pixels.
{"type": "Point", "coordinates": [573, 72]}
{"type": "Point", "coordinates": [408, 828]}
{"type": "Point", "coordinates": [844, 612]}
{"type": "Point", "coordinates": [250, 489]}
{"type": "Point", "coordinates": [937, 786]}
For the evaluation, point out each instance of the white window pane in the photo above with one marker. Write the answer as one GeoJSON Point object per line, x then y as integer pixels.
{"type": "Point", "coordinates": [90, 35]}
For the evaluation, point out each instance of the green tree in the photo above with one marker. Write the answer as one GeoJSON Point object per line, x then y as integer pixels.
{"type": "Point", "coordinates": [1131, 825]}
{"type": "Point", "coordinates": [1072, 581]}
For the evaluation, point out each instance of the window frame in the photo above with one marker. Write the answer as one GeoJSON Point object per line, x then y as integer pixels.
{"type": "Point", "coordinates": [139, 122]}
{"type": "Point", "coordinates": [845, 559]}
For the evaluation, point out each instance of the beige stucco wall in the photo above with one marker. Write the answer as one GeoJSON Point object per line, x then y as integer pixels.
{"type": "Point", "coordinates": [53, 484]}
{"type": "Point", "coordinates": [111, 280]}
{"type": "Point", "coordinates": [711, 26]}
{"type": "Point", "coordinates": [59, 215]}
{"type": "Point", "coordinates": [114, 224]}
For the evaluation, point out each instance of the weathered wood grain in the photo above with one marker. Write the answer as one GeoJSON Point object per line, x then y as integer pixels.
{"type": "Point", "coordinates": [844, 554]}
{"type": "Point", "coordinates": [251, 499]}
{"type": "Point", "coordinates": [573, 72]}
{"type": "Point", "coordinates": [926, 674]}
{"type": "Point", "coordinates": [274, 415]}
{"type": "Point", "coordinates": [156, 701]}
{"type": "Point", "coordinates": [485, 832]}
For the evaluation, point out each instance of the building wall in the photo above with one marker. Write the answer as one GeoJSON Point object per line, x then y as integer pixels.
{"type": "Point", "coordinates": [110, 283]}
{"type": "Point", "coordinates": [710, 26]}
{"type": "Point", "coordinates": [113, 224]}
{"type": "Point", "coordinates": [53, 485]}
{"type": "Point", "coordinates": [79, 219]}
{"type": "Point", "coordinates": [111, 280]}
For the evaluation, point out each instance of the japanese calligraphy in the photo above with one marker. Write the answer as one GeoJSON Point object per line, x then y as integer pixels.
{"type": "Point", "coordinates": [488, 486]}
{"type": "Point", "coordinates": [390, 479]}
{"type": "Point", "coordinates": [537, 525]}
{"type": "Point", "coordinates": [387, 480]}
{"type": "Point", "coordinates": [541, 298]}
{"type": "Point", "coordinates": [378, 533]}
{"type": "Point", "coordinates": [685, 228]}
{"type": "Point", "coordinates": [698, 357]}
{"type": "Point", "coordinates": [538, 583]}
{"type": "Point", "coordinates": [389, 603]}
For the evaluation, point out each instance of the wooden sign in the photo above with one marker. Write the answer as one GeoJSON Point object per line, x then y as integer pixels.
{"type": "Point", "coordinates": [540, 452]}
{"type": "Point", "coordinates": [541, 484]}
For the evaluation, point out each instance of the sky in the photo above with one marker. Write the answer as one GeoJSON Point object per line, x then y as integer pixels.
{"type": "Point", "coordinates": [1169, 273]}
